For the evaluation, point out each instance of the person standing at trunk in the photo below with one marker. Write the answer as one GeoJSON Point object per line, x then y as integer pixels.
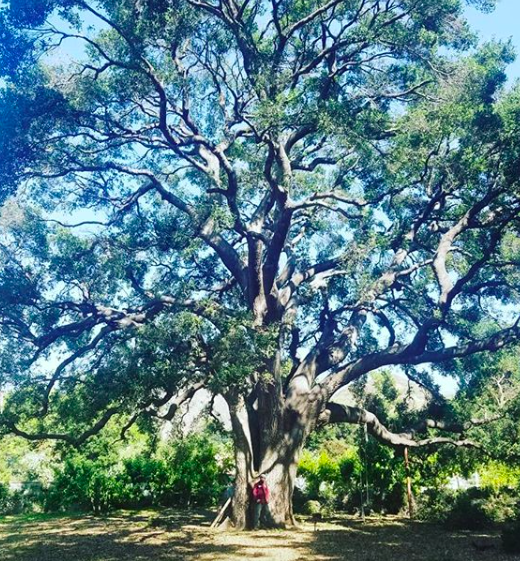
{"type": "Point", "coordinates": [261, 500]}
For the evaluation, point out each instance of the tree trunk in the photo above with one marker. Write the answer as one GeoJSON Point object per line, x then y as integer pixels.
{"type": "Point", "coordinates": [277, 458]}
{"type": "Point", "coordinates": [280, 478]}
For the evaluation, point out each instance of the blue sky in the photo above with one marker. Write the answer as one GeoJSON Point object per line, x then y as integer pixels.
{"type": "Point", "coordinates": [502, 23]}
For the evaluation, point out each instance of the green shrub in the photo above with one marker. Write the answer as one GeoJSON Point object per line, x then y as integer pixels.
{"type": "Point", "coordinates": [104, 491]}
{"type": "Point", "coordinates": [312, 507]}
{"type": "Point", "coordinates": [27, 499]}
{"type": "Point", "coordinates": [19, 502]}
{"type": "Point", "coordinates": [468, 511]}
{"type": "Point", "coordinates": [329, 479]}
{"type": "Point", "coordinates": [499, 475]}
{"type": "Point", "coordinates": [71, 487]}
{"type": "Point", "coordinates": [318, 469]}
{"type": "Point", "coordinates": [434, 504]}
{"type": "Point", "coordinates": [145, 481]}
{"type": "Point", "coordinates": [500, 506]}
{"type": "Point", "coordinates": [393, 500]}
{"type": "Point", "coordinates": [195, 476]}
{"type": "Point", "coordinates": [4, 499]}
{"type": "Point", "coordinates": [85, 484]}
{"type": "Point", "coordinates": [187, 472]}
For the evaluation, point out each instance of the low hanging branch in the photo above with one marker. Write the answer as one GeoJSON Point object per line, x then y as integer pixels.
{"type": "Point", "coordinates": [336, 413]}
{"type": "Point", "coordinates": [75, 441]}
{"type": "Point", "coordinates": [173, 403]}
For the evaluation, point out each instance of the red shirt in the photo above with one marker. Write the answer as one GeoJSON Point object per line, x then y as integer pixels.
{"type": "Point", "coordinates": [261, 493]}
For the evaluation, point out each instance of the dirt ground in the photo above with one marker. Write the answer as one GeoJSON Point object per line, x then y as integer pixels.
{"type": "Point", "coordinates": [175, 536]}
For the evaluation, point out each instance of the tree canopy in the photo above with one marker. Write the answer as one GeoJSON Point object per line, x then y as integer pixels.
{"type": "Point", "coordinates": [268, 199]}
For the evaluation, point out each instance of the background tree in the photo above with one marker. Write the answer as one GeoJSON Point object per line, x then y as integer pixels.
{"type": "Point", "coordinates": [269, 199]}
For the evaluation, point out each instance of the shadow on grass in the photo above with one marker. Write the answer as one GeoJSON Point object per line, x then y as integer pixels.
{"type": "Point", "coordinates": [120, 536]}
{"type": "Point", "coordinates": [150, 536]}
{"type": "Point", "coordinates": [388, 540]}
{"type": "Point", "coordinates": [181, 535]}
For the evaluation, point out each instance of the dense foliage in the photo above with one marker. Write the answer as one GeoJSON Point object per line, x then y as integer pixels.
{"type": "Point", "coordinates": [107, 474]}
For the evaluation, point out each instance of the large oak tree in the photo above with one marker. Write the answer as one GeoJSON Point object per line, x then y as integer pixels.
{"type": "Point", "coordinates": [268, 199]}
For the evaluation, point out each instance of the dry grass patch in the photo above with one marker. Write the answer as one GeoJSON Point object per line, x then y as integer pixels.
{"type": "Point", "coordinates": [174, 536]}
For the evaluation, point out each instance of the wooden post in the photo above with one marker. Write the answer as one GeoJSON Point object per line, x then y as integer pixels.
{"type": "Point", "coordinates": [408, 483]}
{"type": "Point", "coordinates": [221, 515]}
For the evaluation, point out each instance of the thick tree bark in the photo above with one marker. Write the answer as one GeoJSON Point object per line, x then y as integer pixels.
{"type": "Point", "coordinates": [244, 461]}
{"type": "Point", "coordinates": [280, 476]}
{"type": "Point", "coordinates": [274, 453]}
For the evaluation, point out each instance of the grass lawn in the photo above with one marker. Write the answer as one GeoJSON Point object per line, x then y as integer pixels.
{"type": "Point", "coordinates": [170, 535]}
